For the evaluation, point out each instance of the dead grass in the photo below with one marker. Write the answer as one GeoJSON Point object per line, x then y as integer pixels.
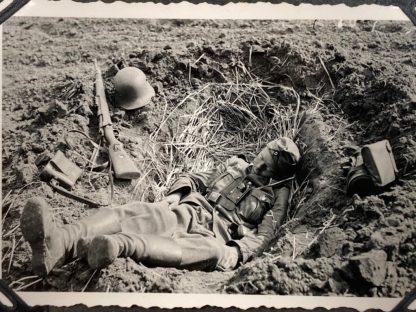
{"type": "Point", "coordinates": [25, 282]}
{"type": "Point", "coordinates": [89, 280]}
{"type": "Point", "coordinates": [230, 118]}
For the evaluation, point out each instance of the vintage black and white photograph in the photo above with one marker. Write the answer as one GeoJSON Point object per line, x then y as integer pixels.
{"type": "Point", "coordinates": [201, 156]}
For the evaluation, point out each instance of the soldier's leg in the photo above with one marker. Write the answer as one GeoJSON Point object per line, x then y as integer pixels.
{"type": "Point", "coordinates": [191, 252]}
{"type": "Point", "coordinates": [52, 245]}
{"type": "Point", "coordinates": [139, 218]}
{"type": "Point", "coordinates": [200, 252]}
{"type": "Point", "coordinates": [150, 249]}
{"type": "Point", "coordinates": [147, 218]}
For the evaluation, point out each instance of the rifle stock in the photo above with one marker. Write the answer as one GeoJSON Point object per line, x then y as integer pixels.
{"type": "Point", "coordinates": [124, 167]}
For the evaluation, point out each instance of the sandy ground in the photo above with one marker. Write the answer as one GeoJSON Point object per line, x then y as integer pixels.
{"type": "Point", "coordinates": [357, 83]}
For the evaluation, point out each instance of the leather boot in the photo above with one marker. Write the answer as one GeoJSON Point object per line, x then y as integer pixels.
{"type": "Point", "coordinates": [51, 245]}
{"type": "Point", "coordinates": [151, 250]}
{"type": "Point", "coordinates": [82, 247]}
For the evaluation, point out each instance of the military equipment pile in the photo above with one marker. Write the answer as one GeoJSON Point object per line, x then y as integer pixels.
{"type": "Point", "coordinates": [356, 85]}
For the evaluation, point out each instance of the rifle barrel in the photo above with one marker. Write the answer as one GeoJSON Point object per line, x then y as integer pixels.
{"type": "Point", "coordinates": [100, 94]}
{"type": "Point", "coordinates": [124, 167]}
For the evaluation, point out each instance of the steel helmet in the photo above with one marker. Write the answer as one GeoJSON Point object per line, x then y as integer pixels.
{"type": "Point", "coordinates": [132, 89]}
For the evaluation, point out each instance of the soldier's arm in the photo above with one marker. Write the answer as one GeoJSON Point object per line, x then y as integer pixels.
{"type": "Point", "coordinates": [253, 244]}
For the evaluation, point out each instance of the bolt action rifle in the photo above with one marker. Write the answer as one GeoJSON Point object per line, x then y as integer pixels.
{"type": "Point", "coordinates": [124, 168]}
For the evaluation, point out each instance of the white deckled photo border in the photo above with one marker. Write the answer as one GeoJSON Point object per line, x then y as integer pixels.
{"type": "Point", "coordinates": [67, 8]}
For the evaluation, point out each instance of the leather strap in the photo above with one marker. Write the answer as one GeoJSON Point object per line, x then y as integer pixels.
{"type": "Point", "coordinates": [92, 165]}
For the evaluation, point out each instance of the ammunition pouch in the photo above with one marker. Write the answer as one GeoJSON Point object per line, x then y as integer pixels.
{"type": "Point", "coordinates": [242, 199]}
{"type": "Point", "coordinates": [256, 207]}
{"type": "Point", "coordinates": [372, 168]}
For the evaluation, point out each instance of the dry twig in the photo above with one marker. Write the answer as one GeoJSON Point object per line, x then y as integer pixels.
{"type": "Point", "coordinates": [326, 71]}
{"type": "Point", "coordinates": [89, 280]}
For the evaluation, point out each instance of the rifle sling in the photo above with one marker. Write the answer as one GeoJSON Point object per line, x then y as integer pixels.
{"type": "Point", "coordinates": [93, 165]}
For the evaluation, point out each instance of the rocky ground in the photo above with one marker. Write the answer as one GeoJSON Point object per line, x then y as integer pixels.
{"type": "Point", "coordinates": [353, 84]}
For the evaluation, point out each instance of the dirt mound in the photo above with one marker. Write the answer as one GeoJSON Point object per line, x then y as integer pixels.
{"type": "Point", "coordinates": [330, 88]}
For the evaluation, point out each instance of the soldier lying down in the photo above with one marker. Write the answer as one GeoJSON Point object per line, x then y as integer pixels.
{"type": "Point", "coordinates": [209, 221]}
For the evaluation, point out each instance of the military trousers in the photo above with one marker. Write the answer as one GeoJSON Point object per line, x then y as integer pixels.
{"type": "Point", "coordinates": [187, 225]}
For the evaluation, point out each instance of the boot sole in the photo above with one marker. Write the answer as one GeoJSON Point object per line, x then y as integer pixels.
{"type": "Point", "coordinates": [102, 252]}
{"type": "Point", "coordinates": [33, 224]}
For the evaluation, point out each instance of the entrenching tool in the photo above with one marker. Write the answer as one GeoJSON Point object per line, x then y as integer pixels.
{"type": "Point", "coordinates": [62, 174]}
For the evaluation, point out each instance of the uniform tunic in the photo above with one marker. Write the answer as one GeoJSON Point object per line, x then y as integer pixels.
{"type": "Point", "coordinates": [203, 223]}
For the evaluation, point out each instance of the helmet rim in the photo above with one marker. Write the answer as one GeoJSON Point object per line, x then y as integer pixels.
{"type": "Point", "coordinates": [146, 94]}
{"type": "Point", "coordinates": [132, 90]}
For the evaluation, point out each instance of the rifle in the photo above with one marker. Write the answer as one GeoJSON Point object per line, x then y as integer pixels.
{"type": "Point", "coordinates": [124, 167]}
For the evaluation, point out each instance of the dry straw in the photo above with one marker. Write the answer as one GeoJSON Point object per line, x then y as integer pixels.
{"type": "Point", "coordinates": [229, 118]}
